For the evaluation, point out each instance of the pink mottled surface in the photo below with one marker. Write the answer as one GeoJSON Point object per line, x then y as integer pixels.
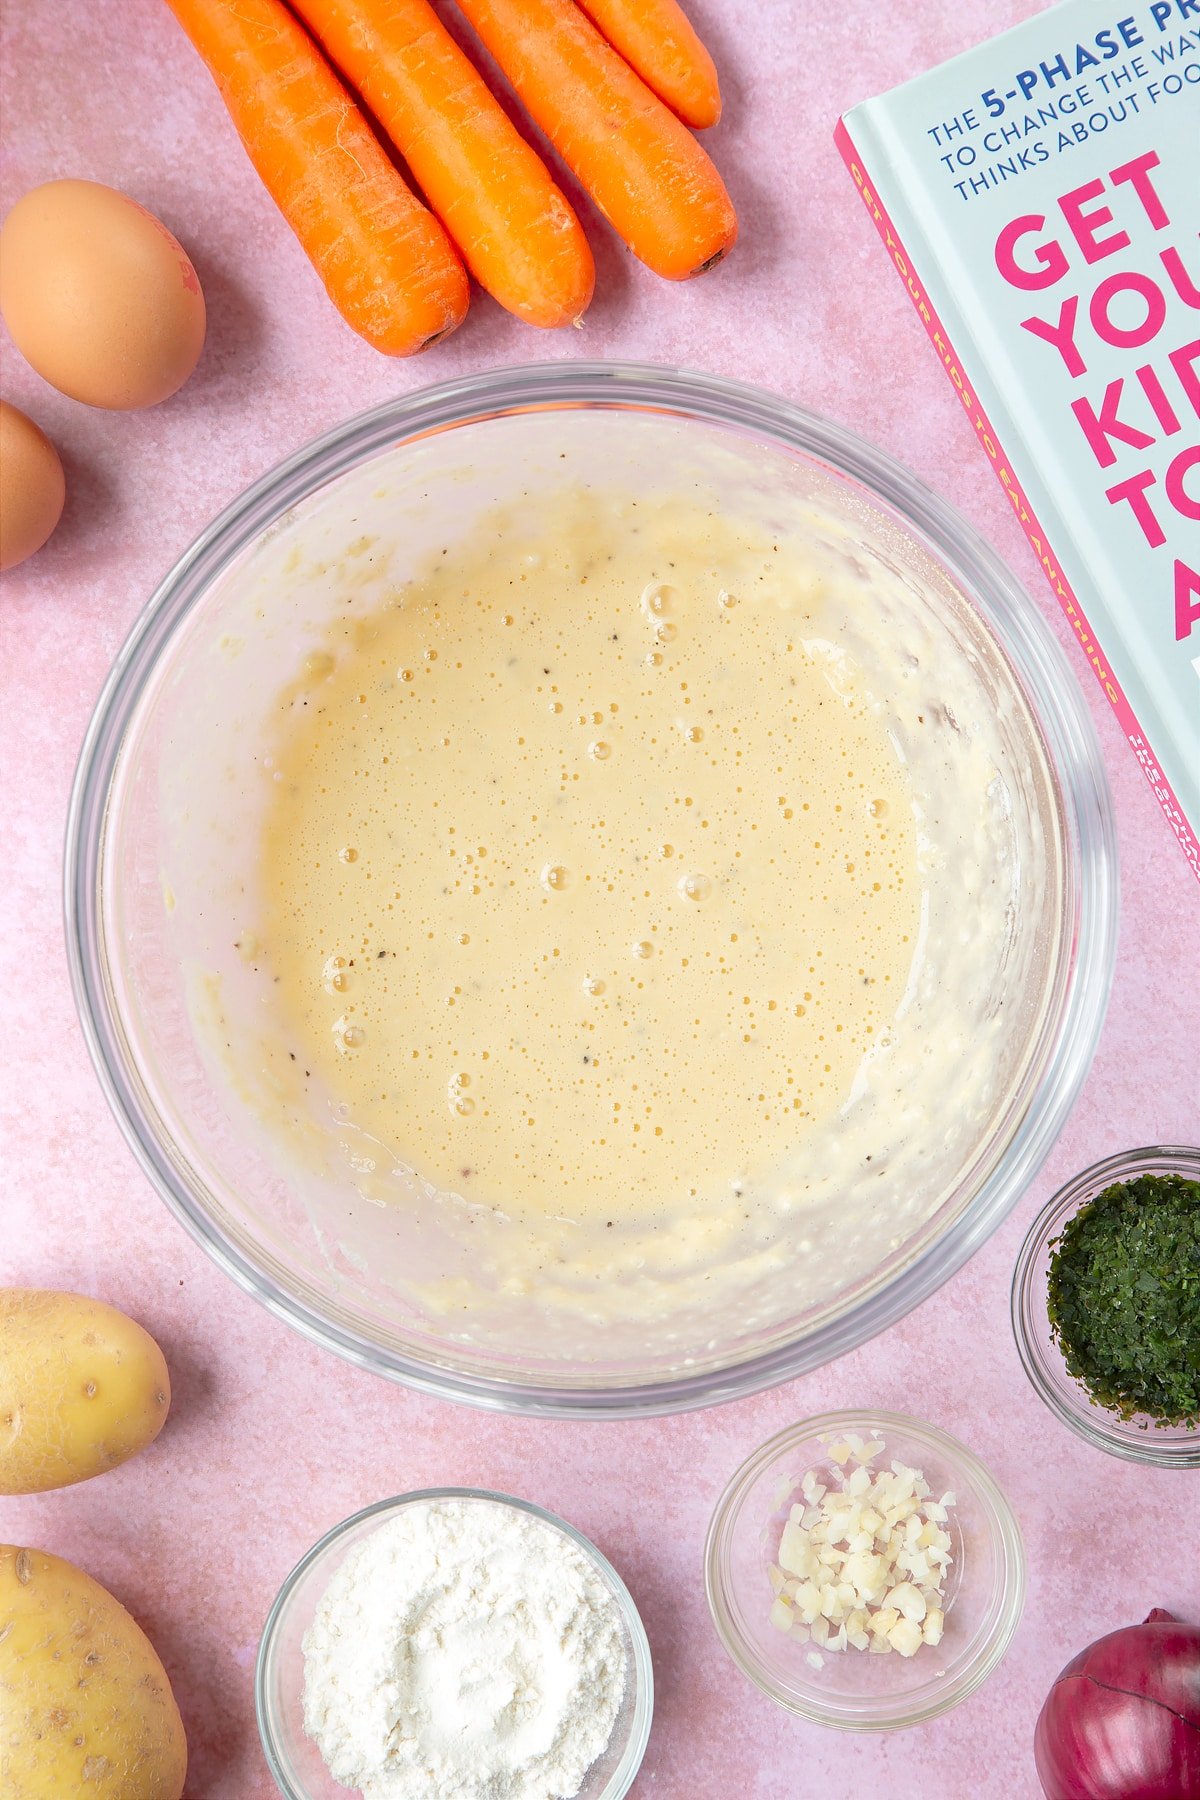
{"type": "Point", "coordinates": [271, 1441]}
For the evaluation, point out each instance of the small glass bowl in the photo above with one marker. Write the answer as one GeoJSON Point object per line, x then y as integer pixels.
{"type": "Point", "coordinates": [854, 1690]}
{"type": "Point", "coordinates": [1139, 1439]}
{"type": "Point", "coordinates": [293, 1758]}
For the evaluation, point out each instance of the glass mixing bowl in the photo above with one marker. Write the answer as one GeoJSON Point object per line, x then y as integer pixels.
{"type": "Point", "coordinates": [161, 849]}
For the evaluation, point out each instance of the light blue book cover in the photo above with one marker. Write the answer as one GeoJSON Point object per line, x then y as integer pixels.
{"type": "Point", "coordinates": [1040, 198]}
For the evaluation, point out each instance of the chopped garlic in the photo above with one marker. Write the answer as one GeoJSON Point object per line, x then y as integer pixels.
{"type": "Point", "coordinates": [905, 1636]}
{"type": "Point", "coordinates": [783, 1488]}
{"type": "Point", "coordinates": [808, 1601]}
{"type": "Point", "coordinates": [862, 1559]}
{"type": "Point", "coordinates": [795, 1552]}
{"type": "Point", "coordinates": [865, 1571]}
{"type": "Point", "coordinates": [908, 1600]}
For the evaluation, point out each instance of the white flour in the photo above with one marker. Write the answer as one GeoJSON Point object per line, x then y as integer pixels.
{"type": "Point", "coordinates": [465, 1650]}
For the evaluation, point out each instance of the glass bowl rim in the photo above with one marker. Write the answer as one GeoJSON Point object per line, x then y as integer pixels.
{"type": "Point", "coordinates": [641, 1662]}
{"type": "Point", "coordinates": [1174, 1447]}
{"type": "Point", "coordinates": [1090, 873]}
{"type": "Point", "coordinates": [1006, 1527]}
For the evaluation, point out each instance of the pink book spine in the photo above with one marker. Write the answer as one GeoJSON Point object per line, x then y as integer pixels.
{"type": "Point", "coordinates": [1003, 468]}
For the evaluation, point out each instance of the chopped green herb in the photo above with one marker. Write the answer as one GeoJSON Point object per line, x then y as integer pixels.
{"type": "Point", "coordinates": [1124, 1298]}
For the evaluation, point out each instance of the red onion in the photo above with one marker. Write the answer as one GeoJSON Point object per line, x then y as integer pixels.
{"type": "Point", "coordinates": [1122, 1722]}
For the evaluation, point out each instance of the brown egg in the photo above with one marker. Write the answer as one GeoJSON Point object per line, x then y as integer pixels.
{"type": "Point", "coordinates": [99, 296]}
{"type": "Point", "coordinates": [32, 489]}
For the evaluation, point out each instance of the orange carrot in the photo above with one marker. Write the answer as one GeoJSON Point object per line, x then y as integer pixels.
{"type": "Point", "coordinates": [645, 171]}
{"type": "Point", "coordinates": [657, 40]}
{"type": "Point", "coordinates": [386, 263]}
{"type": "Point", "coordinates": [491, 189]}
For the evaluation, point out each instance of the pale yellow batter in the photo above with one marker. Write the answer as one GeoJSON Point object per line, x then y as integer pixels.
{"type": "Point", "coordinates": [590, 868]}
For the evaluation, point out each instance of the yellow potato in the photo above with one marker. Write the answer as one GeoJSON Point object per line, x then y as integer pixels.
{"type": "Point", "coordinates": [81, 1389]}
{"type": "Point", "coordinates": [86, 1710]}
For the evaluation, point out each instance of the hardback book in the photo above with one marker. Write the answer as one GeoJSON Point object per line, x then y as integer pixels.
{"type": "Point", "coordinates": [1040, 199]}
